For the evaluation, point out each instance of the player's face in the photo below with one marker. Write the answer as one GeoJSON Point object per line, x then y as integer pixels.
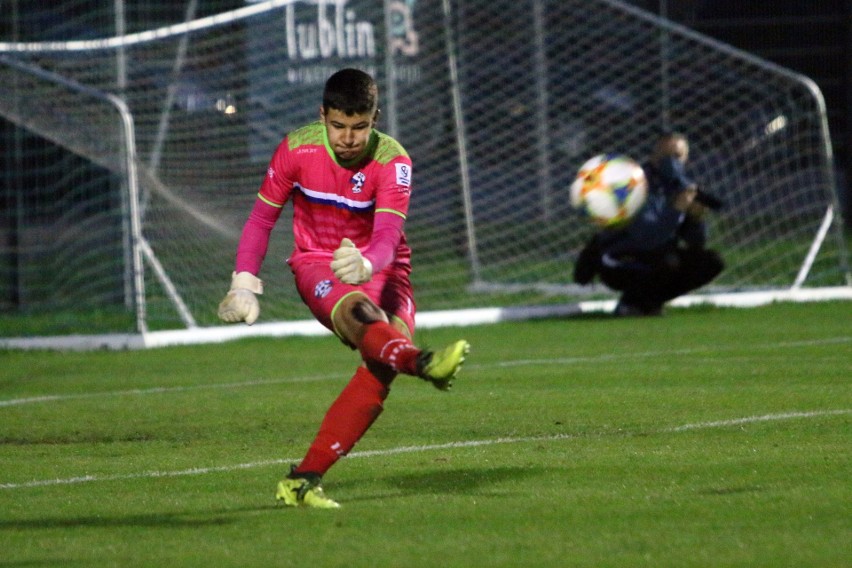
{"type": "Point", "coordinates": [347, 134]}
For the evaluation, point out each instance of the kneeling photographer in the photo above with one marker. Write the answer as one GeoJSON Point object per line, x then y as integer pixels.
{"type": "Point", "coordinates": [662, 253]}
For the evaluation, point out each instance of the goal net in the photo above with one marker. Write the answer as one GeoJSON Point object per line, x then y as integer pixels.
{"type": "Point", "coordinates": [132, 160]}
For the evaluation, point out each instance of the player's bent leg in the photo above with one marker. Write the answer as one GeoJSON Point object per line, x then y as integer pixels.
{"type": "Point", "coordinates": [384, 343]}
{"type": "Point", "coordinates": [352, 314]}
{"type": "Point", "coordinates": [387, 345]}
{"type": "Point", "coordinates": [303, 490]}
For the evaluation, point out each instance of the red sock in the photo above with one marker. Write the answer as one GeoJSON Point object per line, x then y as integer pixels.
{"type": "Point", "coordinates": [347, 419]}
{"type": "Point", "coordinates": [385, 344]}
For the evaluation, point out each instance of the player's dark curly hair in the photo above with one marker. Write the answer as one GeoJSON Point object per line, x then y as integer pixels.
{"type": "Point", "coordinates": [351, 91]}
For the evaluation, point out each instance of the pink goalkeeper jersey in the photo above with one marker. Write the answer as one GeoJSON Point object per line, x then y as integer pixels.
{"type": "Point", "coordinates": [333, 200]}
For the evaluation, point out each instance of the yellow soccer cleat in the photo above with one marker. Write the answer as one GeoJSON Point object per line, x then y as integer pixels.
{"type": "Point", "coordinates": [303, 492]}
{"type": "Point", "coordinates": [441, 367]}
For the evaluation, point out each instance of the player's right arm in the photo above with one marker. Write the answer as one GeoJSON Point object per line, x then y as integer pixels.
{"type": "Point", "coordinates": [240, 303]}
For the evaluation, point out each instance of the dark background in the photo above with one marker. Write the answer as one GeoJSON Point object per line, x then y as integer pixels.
{"type": "Point", "coordinates": [811, 37]}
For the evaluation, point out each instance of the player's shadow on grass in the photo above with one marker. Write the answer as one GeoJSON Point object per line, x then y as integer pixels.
{"type": "Point", "coordinates": [170, 520]}
{"type": "Point", "coordinates": [464, 481]}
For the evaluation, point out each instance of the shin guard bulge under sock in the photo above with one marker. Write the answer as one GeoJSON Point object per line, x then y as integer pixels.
{"type": "Point", "coordinates": [383, 343]}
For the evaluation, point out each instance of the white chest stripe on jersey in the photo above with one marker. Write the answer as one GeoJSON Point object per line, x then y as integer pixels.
{"type": "Point", "coordinates": [336, 200]}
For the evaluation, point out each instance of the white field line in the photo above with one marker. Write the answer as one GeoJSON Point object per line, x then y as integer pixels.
{"type": "Point", "coordinates": [451, 445]}
{"type": "Point", "coordinates": [471, 367]}
{"type": "Point", "coordinates": [162, 390]}
{"type": "Point", "coordinates": [419, 449]}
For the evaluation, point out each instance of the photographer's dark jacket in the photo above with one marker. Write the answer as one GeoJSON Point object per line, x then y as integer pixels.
{"type": "Point", "coordinates": [657, 226]}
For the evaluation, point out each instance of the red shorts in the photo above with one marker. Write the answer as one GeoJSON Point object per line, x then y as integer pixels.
{"type": "Point", "coordinates": [322, 291]}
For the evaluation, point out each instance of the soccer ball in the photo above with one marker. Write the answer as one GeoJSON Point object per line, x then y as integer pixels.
{"type": "Point", "coordinates": [609, 189]}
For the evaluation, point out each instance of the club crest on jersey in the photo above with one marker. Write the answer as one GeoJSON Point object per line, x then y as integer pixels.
{"type": "Point", "coordinates": [357, 182]}
{"type": "Point", "coordinates": [322, 288]}
{"type": "Point", "coordinates": [271, 173]}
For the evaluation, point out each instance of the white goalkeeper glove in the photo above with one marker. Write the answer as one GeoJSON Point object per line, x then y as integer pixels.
{"type": "Point", "coordinates": [349, 266]}
{"type": "Point", "coordinates": [240, 303]}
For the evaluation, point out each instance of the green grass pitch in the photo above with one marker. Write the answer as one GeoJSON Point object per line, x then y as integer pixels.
{"type": "Point", "coordinates": [707, 437]}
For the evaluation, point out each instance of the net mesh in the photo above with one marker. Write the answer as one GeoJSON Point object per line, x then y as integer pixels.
{"type": "Point", "coordinates": [498, 102]}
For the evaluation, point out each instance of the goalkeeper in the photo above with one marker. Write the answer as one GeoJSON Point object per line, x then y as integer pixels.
{"type": "Point", "coordinates": [662, 253]}
{"type": "Point", "coordinates": [350, 188]}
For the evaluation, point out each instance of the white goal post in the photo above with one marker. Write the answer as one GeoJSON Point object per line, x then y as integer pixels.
{"type": "Point", "coordinates": [162, 138]}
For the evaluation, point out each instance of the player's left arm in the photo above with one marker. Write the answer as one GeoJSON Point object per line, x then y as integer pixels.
{"type": "Point", "coordinates": [387, 234]}
{"type": "Point", "coordinates": [351, 265]}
